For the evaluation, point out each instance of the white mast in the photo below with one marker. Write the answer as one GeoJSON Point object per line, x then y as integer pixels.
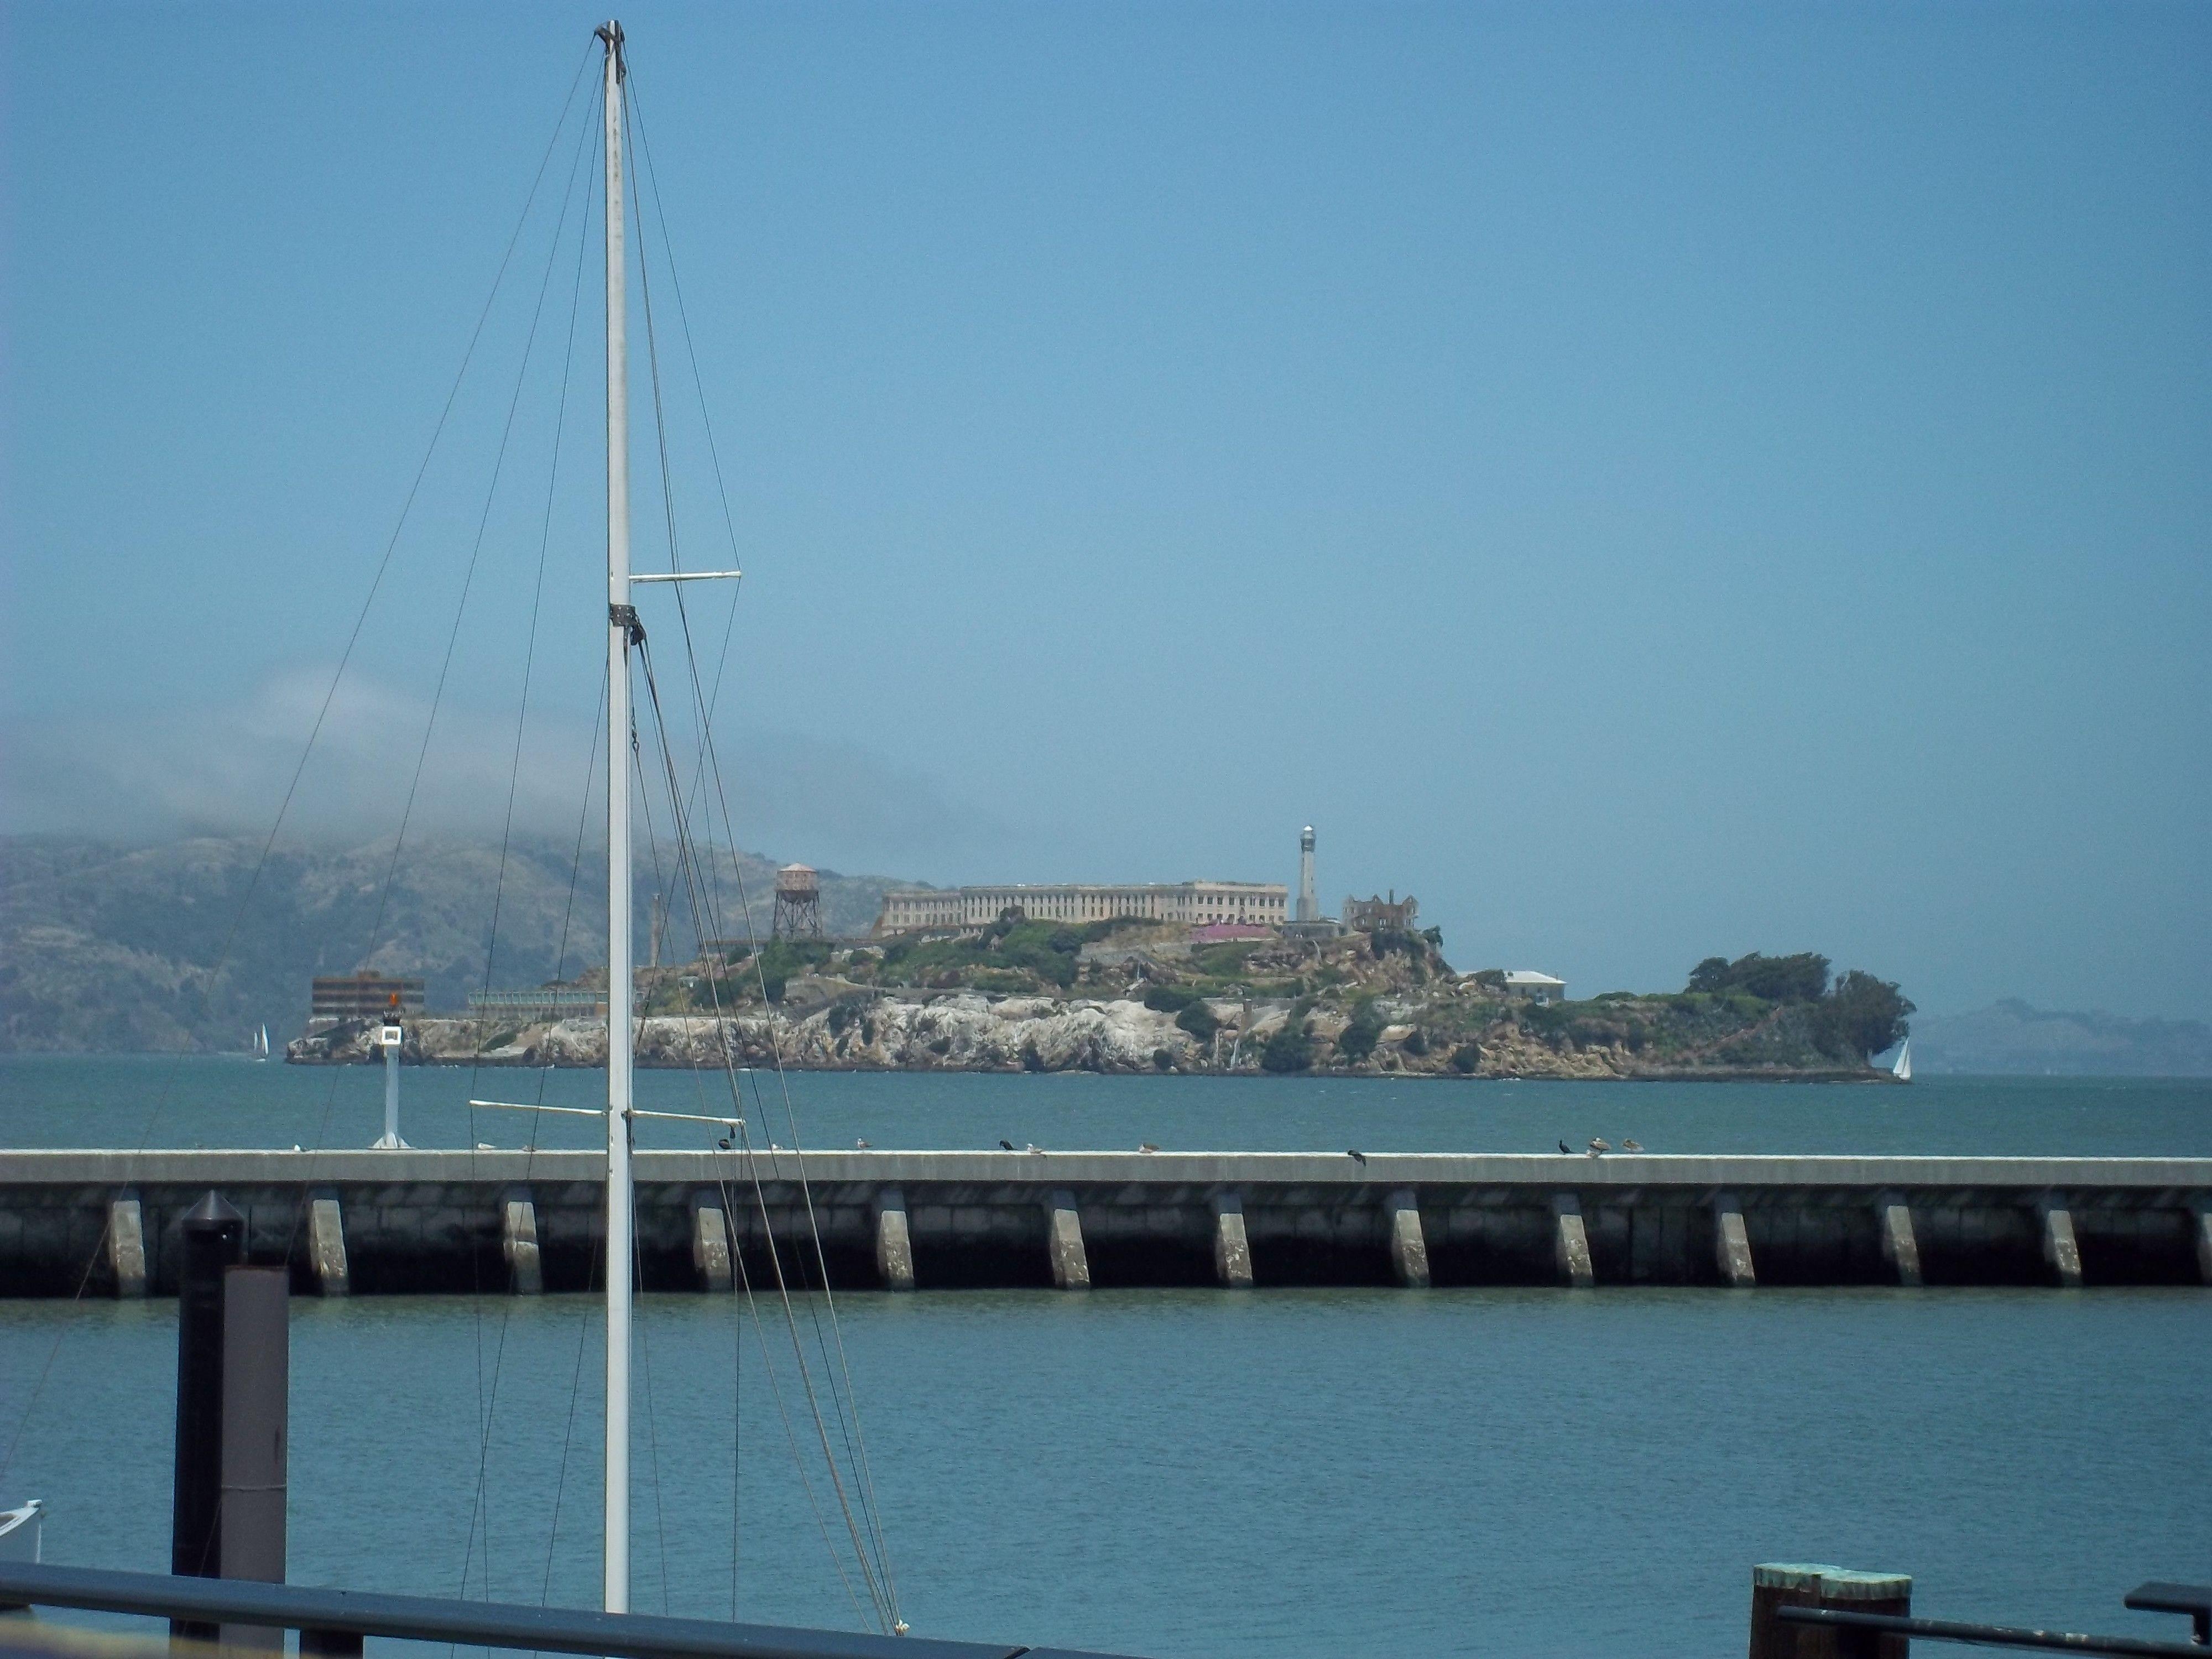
{"type": "Point", "coordinates": [621, 621]}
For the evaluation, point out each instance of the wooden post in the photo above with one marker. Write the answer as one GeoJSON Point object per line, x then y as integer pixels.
{"type": "Point", "coordinates": [1799, 1585]}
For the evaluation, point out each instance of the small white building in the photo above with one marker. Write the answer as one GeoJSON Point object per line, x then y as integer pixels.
{"type": "Point", "coordinates": [1537, 987]}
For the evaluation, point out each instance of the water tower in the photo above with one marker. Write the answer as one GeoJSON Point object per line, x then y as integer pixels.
{"type": "Point", "coordinates": [798, 903]}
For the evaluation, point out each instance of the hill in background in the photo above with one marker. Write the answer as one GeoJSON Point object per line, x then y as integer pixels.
{"type": "Point", "coordinates": [113, 948]}
{"type": "Point", "coordinates": [2011, 1038]}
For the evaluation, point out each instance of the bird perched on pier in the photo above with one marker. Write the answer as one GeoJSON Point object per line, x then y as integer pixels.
{"type": "Point", "coordinates": [1599, 1147]}
{"type": "Point", "coordinates": [1031, 1147]}
{"type": "Point", "coordinates": [724, 1143]}
{"type": "Point", "coordinates": [1568, 1149]}
{"type": "Point", "coordinates": [1147, 1147]}
{"type": "Point", "coordinates": [1630, 1146]}
{"type": "Point", "coordinates": [1357, 1157]}
{"type": "Point", "coordinates": [859, 1145]}
{"type": "Point", "coordinates": [1006, 1145]}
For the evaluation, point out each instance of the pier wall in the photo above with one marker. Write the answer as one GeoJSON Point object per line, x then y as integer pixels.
{"type": "Point", "coordinates": [367, 1223]}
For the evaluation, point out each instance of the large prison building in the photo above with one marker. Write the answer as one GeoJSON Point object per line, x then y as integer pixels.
{"type": "Point", "coordinates": [1194, 903]}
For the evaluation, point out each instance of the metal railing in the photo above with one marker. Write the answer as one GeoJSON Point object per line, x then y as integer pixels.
{"type": "Point", "coordinates": [1997, 1636]}
{"type": "Point", "coordinates": [322, 1614]}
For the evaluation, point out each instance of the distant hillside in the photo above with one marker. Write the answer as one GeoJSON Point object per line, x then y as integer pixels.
{"type": "Point", "coordinates": [106, 947]}
{"type": "Point", "coordinates": [2010, 1037]}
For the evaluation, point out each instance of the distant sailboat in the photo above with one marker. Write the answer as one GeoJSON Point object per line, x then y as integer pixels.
{"type": "Point", "coordinates": [1903, 1070]}
{"type": "Point", "coordinates": [261, 1044]}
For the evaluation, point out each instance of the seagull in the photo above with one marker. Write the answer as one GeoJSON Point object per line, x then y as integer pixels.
{"type": "Point", "coordinates": [1568, 1149]}
{"type": "Point", "coordinates": [482, 1146]}
{"type": "Point", "coordinates": [1147, 1147]}
{"type": "Point", "coordinates": [1630, 1146]}
{"type": "Point", "coordinates": [859, 1145]}
{"type": "Point", "coordinates": [1599, 1147]}
{"type": "Point", "coordinates": [1031, 1147]}
{"type": "Point", "coordinates": [1357, 1157]}
{"type": "Point", "coordinates": [1006, 1145]}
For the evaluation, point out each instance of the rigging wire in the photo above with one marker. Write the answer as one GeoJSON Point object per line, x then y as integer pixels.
{"type": "Point", "coordinates": [488, 1408]}
{"type": "Point", "coordinates": [855, 1444]}
{"type": "Point", "coordinates": [322, 715]}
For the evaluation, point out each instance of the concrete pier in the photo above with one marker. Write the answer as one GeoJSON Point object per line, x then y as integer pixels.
{"type": "Point", "coordinates": [710, 1242]}
{"type": "Point", "coordinates": [1071, 1264]}
{"type": "Point", "coordinates": [1232, 1251]}
{"type": "Point", "coordinates": [1732, 1243]}
{"type": "Point", "coordinates": [126, 1247]}
{"type": "Point", "coordinates": [1409, 1248]}
{"type": "Point", "coordinates": [326, 1247]}
{"type": "Point", "coordinates": [380, 1223]}
{"type": "Point", "coordinates": [1899, 1247]}
{"type": "Point", "coordinates": [518, 1242]}
{"type": "Point", "coordinates": [2060, 1248]}
{"type": "Point", "coordinates": [894, 1240]}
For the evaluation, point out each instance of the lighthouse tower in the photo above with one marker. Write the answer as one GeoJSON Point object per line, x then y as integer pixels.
{"type": "Point", "coordinates": [1309, 909]}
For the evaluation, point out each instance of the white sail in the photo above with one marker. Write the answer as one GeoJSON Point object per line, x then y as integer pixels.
{"type": "Point", "coordinates": [261, 1044]}
{"type": "Point", "coordinates": [1903, 1070]}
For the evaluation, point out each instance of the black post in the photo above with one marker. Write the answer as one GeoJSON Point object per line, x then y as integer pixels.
{"type": "Point", "coordinates": [256, 1314]}
{"type": "Point", "coordinates": [213, 1239]}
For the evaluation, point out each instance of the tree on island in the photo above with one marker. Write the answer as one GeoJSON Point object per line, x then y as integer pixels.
{"type": "Point", "coordinates": [1859, 1015]}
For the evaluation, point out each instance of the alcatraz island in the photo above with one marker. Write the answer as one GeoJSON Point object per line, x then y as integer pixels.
{"type": "Point", "coordinates": [1195, 977]}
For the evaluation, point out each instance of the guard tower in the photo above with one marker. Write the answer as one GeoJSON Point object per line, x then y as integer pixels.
{"type": "Point", "coordinates": [798, 903]}
{"type": "Point", "coordinates": [1308, 907]}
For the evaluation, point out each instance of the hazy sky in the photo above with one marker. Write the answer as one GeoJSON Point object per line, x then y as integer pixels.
{"type": "Point", "coordinates": [1651, 481]}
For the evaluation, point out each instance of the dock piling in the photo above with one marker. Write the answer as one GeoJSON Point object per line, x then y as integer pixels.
{"type": "Point", "coordinates": [1570, 1241]}
{"type": "Point", "coordinates": [1732, 1243]}
{"type": "Point", "coordinates": [2200, 1214]}
{"type": "Point", "coordinates": [1071, 1267]}
{"type": "Point", "coordinates": [894, 1240]}
{"type": "Point", "coordinates": [1794, 1584]}
{"type": "Point", "coordinates": [256, 1391]}
{"type": "Point", "coordinates": [126, 1246]}
{"type": "Point", "coordinates": [1899, 1246]}
{"type": "Point", "coordinates": [1232, 1251]}
{"type": "Point", "coordinates": [518, 1242]}
{"type": "Point", "coordinates": [326, 1249]}
{"type": "Point", "coordinates": [1409, 1247]}
{"type": "Point", "coordinates": [710, 1242]}
{"type": "Point", "coordinates": [214, 1237]}
{"type": "Point", "coordinates": [2060, 1248]}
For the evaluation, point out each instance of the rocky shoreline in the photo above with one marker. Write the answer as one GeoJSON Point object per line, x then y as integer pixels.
{"type": "Point", "coordinates": [969, 1031]}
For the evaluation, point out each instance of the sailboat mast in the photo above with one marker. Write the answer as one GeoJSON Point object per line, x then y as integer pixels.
{"type": "Point", "coordinates": [621, 626]}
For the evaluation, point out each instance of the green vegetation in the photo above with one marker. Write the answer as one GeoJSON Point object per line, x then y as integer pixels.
{"type": "Point", "coordinates": [1008, 957]}
{"type": "Point", "coordinates": [1198, 1019]}
{"type": "Point", "coordinates": [1357, 1040]}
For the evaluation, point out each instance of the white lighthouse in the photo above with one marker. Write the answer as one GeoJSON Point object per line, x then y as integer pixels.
{"type": "Point", "coordinates": [1308, 908]}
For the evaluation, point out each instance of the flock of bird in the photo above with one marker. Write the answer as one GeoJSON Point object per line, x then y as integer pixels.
{"type": "Point", "coordinates": [1599, 1147]}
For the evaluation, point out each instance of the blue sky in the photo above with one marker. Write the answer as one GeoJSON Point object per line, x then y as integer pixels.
{"type": "Point", "coordinates": [1651, 481]}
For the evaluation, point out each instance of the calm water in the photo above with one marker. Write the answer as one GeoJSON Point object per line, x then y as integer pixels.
{"type": "Point", "coordinates": [1172, 1474]}
{"type": "Point", "coordinates": [47, 1101]}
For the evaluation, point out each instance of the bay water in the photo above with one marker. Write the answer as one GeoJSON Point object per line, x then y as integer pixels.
{"type": "Point", "coordinates": [1187, 1472]}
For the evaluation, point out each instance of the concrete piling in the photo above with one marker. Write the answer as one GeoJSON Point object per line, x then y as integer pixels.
{"type": "Point", "coordinates": [1731, 1243]}
{"type": "Point", "coordinates": [710, 1242]}
{"type": "Point", "coordinates": [1795, 1584]}
{"type": "Point", "coordinates": [1071, 1267]}
{"type": "Point", "coordinates": [2059, 1248]}
{"type": "Point", "coordinates": [1899, 1246]}
{"type": "Point", "coordinates": [518, 1242]}
{"type": "Point", "coordinates": [1409, 1248]}
{"type": "Point", "coordinates": [126, 1246]}
{"type": "Point", "coordinates": [326, 1249]}
{"type": "Point", "coordinates": [1570, 1241]}
{"type": "Point", "coordinates": [2201, 1216]}
{"type": "Point", "coordinates": [1232, 1251]}
{"type": "Point", "coordinates": [894, 1240]}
